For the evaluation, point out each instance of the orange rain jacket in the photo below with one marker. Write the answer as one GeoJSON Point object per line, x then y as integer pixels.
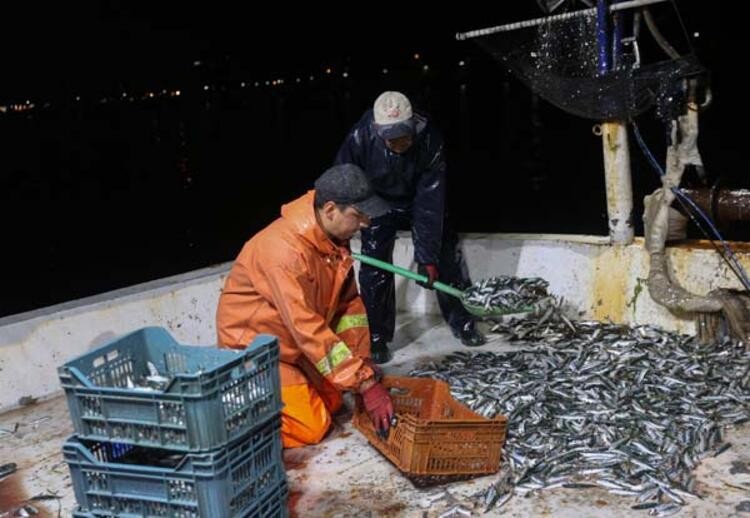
{"type": "Point", "coordinates": [290, 280]}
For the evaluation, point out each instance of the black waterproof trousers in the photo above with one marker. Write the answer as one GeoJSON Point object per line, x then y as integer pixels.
{"type": "Point", "coordinates": [378, 287]}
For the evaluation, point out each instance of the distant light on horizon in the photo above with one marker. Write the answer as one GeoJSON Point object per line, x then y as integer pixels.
{"type": "Point", "coordinates": [329, 71]}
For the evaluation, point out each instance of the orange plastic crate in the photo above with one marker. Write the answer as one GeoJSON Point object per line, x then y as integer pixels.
{"type": "Point", "coordinates": [435, 434]}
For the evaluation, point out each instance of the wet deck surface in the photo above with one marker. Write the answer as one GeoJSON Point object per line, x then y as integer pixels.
{"type": "Point", "coordinates": [32, 438]}
{"type": "Point", "coordinates": [344, 476]}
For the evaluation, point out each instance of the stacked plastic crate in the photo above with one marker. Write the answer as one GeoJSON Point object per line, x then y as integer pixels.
{"type": "Point", "coordinates": [164, 429]}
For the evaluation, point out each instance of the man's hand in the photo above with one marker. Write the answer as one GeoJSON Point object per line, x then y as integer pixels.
{"type": "Point", "coordinates": [431, 272]}
{"type": "Point", "coordinates": [379, 407]}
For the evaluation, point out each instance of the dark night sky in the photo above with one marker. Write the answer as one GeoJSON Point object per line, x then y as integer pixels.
{"type": "Point", "coordinates": [56, 51]}
{"type": "Point", "coordinates": [59, 166]}
{"type": "Point", "coordinates": [52, 47]}
{"type": "Point", "coordinates": [99, 45]}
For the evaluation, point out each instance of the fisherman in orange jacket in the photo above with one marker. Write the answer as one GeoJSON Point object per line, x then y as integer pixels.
{"type": "Point", "coordinates": [294, 279]}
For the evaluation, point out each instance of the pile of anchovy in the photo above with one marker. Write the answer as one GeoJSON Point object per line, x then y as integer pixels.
{"type": "Point", "coordinates": [506, 293]}
{"type": "Point", "coordinates": [589, 404]}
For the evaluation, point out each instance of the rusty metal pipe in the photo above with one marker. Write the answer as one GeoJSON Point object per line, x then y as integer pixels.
{"type": "Point", "coordinates": [722, 205]}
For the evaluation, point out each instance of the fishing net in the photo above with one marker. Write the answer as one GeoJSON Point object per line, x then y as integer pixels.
{"type": "Point", "coordinates": [559, 60]}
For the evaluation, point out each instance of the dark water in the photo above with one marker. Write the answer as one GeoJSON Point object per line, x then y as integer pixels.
{"type": "Point", "coordinates": [101, 196]}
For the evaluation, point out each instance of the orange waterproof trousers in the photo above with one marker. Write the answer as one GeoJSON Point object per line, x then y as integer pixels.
{"type": "Point", "coordinates": [306, 416]}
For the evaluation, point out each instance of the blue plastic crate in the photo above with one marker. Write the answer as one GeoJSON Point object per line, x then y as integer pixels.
{"type": "Point", "coordinates": [273, 505]}
{"type": "Point", "coordinates": [214, 397]}
{"type": "Point", "coordinates": [246, 479]}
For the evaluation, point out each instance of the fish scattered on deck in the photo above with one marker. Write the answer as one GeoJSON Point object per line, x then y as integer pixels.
{"type": "Point", "coordinates": [630, 409]}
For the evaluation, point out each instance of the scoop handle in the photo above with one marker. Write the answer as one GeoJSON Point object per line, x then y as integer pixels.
{"type": "Point", "coordinates": [449, 290]}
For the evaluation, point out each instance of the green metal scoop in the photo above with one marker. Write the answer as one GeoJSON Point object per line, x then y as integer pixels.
{"type": "Point", "coordinates": [477, 310]}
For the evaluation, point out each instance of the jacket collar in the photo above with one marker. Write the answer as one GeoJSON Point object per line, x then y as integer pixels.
{"type": "Point", "coordinates": [300, 214]}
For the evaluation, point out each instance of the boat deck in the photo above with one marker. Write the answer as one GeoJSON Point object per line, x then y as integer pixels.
{"type": "Point", "coordinates": [344, 476]}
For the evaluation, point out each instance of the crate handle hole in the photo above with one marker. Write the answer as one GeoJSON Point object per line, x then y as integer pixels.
{"type": "Point", "coordinates": [99, 361]}
{"type": "Point", "coordinates": [398, 391]}
{"type": "Point", "coordinates": [112, 355]}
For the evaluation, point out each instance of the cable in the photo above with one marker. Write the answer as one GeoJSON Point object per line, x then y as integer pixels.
{"type": "Point", "coordinates": [687, 203]}
{"type": "Point", "coordinates": [658, 36]}
{"type": "Point", "coordinates": [691, 208]}
{"type": "Point", "coordinates": [682, 25]}
{"type": "Point", "coordinates": [645, 149]}
{"type": "Point", "coordinates": [743, 274]}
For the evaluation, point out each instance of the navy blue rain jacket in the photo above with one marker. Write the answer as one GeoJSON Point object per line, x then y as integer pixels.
{"type": "Point", "coordinates": [413, 181]}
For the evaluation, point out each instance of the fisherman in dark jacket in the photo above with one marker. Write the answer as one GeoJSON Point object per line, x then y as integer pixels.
{"type": "Point", "coordinates": [402, 154]}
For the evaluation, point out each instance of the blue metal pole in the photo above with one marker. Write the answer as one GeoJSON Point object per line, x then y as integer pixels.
{"type": "Point", "coordinates": [602, 36]}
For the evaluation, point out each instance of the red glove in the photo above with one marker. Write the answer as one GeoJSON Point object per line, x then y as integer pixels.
{"type": "Point", "coordinates": [379, 407]}
{"type": "Point", "coordinates": [431, 272]}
